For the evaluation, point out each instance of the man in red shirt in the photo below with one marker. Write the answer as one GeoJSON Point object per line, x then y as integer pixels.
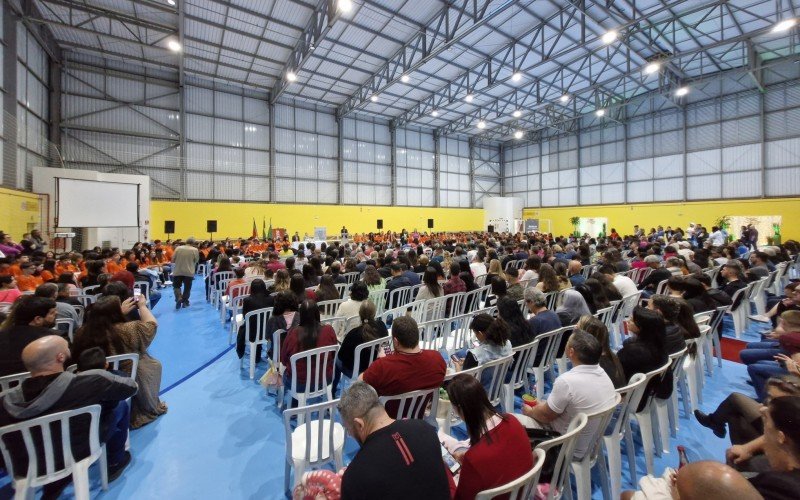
{"type": "Point", "coordinates": [274, 263]}
{"type": "Point", "coordinates": [409, 368]}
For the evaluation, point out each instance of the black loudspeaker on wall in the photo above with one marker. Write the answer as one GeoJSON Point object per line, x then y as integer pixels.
{"type": "Point", "coordinates": [380, 223]}
{"type": "Point", "coordinates": [430, 223]}
{"type": "Point", "coordinates": [211, 226]}
{"type": "Point", "coordinates": [169, 226]}
{"type": "Point", "coordinates": [491, 229]}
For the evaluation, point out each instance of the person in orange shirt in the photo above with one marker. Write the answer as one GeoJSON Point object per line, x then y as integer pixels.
{"type": "Point", "coordinates": [239, 272]}
{"type": "Point", "coordinates": [113, 264]}
{"type": "Point", "coordinates": [27, 282]}
{"type": "Point", "coordinates": [48, 271]}
{"type": "Point", "coordinates": [65, 266]}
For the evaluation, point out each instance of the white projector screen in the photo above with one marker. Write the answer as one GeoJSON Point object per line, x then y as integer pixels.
{"type": "Point", "coordinates": [97, 203]}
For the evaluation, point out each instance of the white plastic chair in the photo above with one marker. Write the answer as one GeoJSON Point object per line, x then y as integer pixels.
{"type": "Point", "coordinates": [758, 296]}
{"type": "Point", "coordinates": [318, 383]}
{"type": "Point", "coordinates": [559, 483]}
{"type": "Point", "coordinates": [667, 409]}
{"type": "Point", "coordinates": [328, 308]}
{"type": "Point", "coordinates": [237, 318]}
{"type": "Point", "coordinates": [261, 317]}
{"type": "Point", "coordinates": [612, 440]}
{"type": "Point", "coordinates": [524, 357]}
{"type": "Point", "coordinates": [582, 467]}
{"type": "Point", "coordinates": [379, 298]}
{"type": "Point", "coordinates": [550, 342]}
{"type": "Point", "coordinates": [10, 381]}
{"type": "Point", "coordinates": [236, 291]}
{"type": "Point", "coordinates": [30, 430]}
{"type": "Point", "coordinates": [373, 346]}
{"type": "Point", "coordinates": [65, 325]}
{"type": "Point", "coordinates": [342, 288]}
{"type": "Point", "coordinates": [520, 488]}
{"type": "Point", "coordinates": [739, 309]}
{"type": "Point", "coordinates": [318, 439]}
{"type": "Point", "coordinates": [645, 418]}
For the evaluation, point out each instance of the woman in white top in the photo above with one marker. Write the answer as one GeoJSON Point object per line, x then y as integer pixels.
{"type": "Point", "coordinates": [430, 290]}
{"type": "Point", "coordinates": [349, 308]}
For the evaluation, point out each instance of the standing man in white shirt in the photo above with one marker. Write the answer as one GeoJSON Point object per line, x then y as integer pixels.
{"type": "Point", "coordinates": [185, 261]}
{"type": "Point", "coordinates": [586, 388]}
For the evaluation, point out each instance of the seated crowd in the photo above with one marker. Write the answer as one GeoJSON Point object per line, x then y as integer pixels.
{"type": "Point", "coordinates": [402, 458]}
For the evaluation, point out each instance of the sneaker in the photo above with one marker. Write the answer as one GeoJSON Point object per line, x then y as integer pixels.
{"type": "Point", "coordinates": [707, 421]}
{"type": "Point", "coordinates": [114, 471]}
{"type": "Point", "coordinates": [177, 305]}
{"type": "Point", "coordinates": [185, 303]}
{"type": "Point", "coordinates": [760, 318]}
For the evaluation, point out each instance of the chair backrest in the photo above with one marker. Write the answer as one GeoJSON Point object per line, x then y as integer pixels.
{"type": "Point", "coordinates": [604, 315]}
{"type": "Point", "coordinates": [260, 318]}
{"type": "Point", "coordinates": [520, 488]}
{"type": "Point", "coordinates": [676, 361]}
{"type": "Point", "coordinates": [86, 300]}
{"type": "Point", "coordinates": [316, 370]}
{"type": "Point", "coordinates": [351, 277]}
{"type": "Point", "coordinates": [481, 280]}
{"type": "Point", "coordinates": [703, 318]}
{"type": "Point", "coordinates": [66, 325]}
{"type": "Point", "coordinates": [524, 355]}
{"type": "Point", "coordinates": [459, 336]}
{"type": "Point", "coordinates": [629, 302]}
{"type": "Point", "coordinates": [115, 363]}
{"type": "Point", "coordinates": [329, 307]}
{"type": "Point", "coordinates": [38, 432]}
{"type": "Point", "coordinates": [379, 298]}
{"type": "Point", "coordinates": [657, 373]}
{"type": "Point", "coordinates": [399, 297]}
{"type": "Point", "coordinates": [436, 308]}
{"type": "Point", "coordinates": [547, 344]}
{"type": "Point", "coordinates": [550, 300]}
{"type": "Point", "coordinates": [372, 346]}
{"type": "Point", "coordinates": [415, 404]}
{"type": "Point", "coordinates": [221, 275]}
{"type": "Point", "coordinates": [237, 303]}
{"type": "Point", "coordinates": [319, 428]}
{"type": "Point", "coordinates": [510, 264]}
{"type": "Point", "coordinates": [240, 289]}
{"type": "Point", "coordinates": [80, 311]}
{"type": "Point", "coordinates": [716, 319]}
{"type": "Point", "coordinates": [342, 288]}
{"type": "Point", "coordinates": [472, 300]}
{"type": "Point", "coordinates": [661, 287]}
{"type": "Point", "coordinates": [10, 381]}
{"type": "Point", "coordinates": [455, 304]}
{"type": "Point", "coordinates": [567, 441]}
{"type": "Point", "coordinates": [493, 375]}
{"type": "Point", "coordinates": [89, 288]}
{"type": "Point", "coordinates": [587, 271]}
{"type": "Point", "coordinates": [597, 425]}
{"type": "Point", "coordinates": [631, 395]}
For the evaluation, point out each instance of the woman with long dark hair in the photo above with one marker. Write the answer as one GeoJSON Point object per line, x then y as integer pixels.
{"type": "Point", "coordinates": [598, 293]}
{"type": "Point", "coordinates": [106, 326]}
{"type": "Point", "coordinates": [310, 276]}
{"type": "Point", "coordinates": [259, 298]}
{"type": "Point", "coordinates": [326, 289]}
{"type": "Point", "coordinates": [519, 330]}
{"type": "Point", "coordinates": [368, 329]}
{"type": "Point", "coordinates": [298, 287]}
{"type": "Point", "coordinates": [498, 450]}
{"type": "Point", "coordinates": [548, 279]}
{"type": "Point", "coordinates": [644, 351]}
{"type": "Point", "coordinates": [308, 334]}
{"type": "Point", "coordinates": [430, 285]}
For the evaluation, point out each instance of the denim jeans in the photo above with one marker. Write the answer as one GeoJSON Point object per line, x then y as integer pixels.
{"type": "Point", "coordinates": [760, 351]}
{"type": "Point", "coordinates": [760, 372]}
{"type": "Point", "coordinates": [115, 433]}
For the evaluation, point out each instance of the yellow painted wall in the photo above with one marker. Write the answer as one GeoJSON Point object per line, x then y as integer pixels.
{"type": "Point", "coordinates": [624, 217]}
{"type": "Point", "coordinates": [19, 212]}
{"type": "Point", "coordinates": [236, 219]}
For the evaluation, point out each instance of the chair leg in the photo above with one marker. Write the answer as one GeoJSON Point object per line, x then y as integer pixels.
{"type": "Point", "coordinates": [605, 486]}
{"type": "Point", "coordinates": [662, 416]}
{"type": "Point", "coordinates": [539, 382]}
{"type": "Point", "coordinates": [299, 470]}
{"type": "Point", "coordinates": [693, 386]}
{"type": "Point", "coordinates": [630, 453]}
{"type": "Point", "coordinates": [23, 491]}
{"type": "Point", "coordinates": [252, 361]}
{"type": "Point", "coordinates": [287, 472]}
{"type": "Point", "coordinates": [614, 452]}
{"type": "Point", "coordinates": [583, 479]}
{"type": "Point", "coordinates": [645, 421]}
{"type": "Point", "coordinates": [103, 464]}
{"type": "Point", "coordinates": [80, 481]}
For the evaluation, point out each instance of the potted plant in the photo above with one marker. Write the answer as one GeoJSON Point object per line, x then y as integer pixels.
{"type": "Point", "coordinates": [575, 221]}
{"type": "Point", "coordinates": [724, 223]}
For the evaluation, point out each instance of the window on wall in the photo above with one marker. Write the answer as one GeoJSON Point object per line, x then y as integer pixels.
{"type": "Point", "coordinates": [306, 152]}
{"type": "Point", "coordinates": [415, 182]}
{"type": "Point", "coordinates": [227, 145]}
{"type": "Point", "coordinates": [487, 174]}
{"type": "Point", "coordinates": [367, 156]}
{"type": "Point", "coordinates": [454, 172]}
{"type": "Point", "coordinates": [522, 177]}
{"type": "Point", "coordinates": [32, 106]}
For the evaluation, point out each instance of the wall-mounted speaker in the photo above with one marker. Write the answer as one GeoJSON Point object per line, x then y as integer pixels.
{"type": "Point", "coordinates": [211, 226]}
{"type": "Point", "coordinates": [380, 223]}
{"type": "Point", "coordinates": [491, 228]}
{"type": "Point", "coordinates": [430, 223]}
{"type": "Point", "coordinates": [169, 226]}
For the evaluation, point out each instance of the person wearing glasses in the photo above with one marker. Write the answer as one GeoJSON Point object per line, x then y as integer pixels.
{"type": "Point", "coordinates": [398, 459]}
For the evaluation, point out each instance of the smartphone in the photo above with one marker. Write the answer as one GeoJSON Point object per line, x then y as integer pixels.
{"type": "Point", "coordinates": [387, 350]}
{"type": "Point", "coordinates": [450, 460]}
{"type": "Point", "coordinates": [455, 358]}
{"type": "Point", "coordinates": [136, 293]}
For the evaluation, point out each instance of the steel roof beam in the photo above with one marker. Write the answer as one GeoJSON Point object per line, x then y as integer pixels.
{"type": "Point", "coordinates": [439, 34]}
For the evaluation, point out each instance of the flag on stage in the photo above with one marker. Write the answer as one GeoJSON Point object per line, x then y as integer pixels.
{"type": "Point", "coordinates": [255, 230]}
{"type": "Point", "coordinates": [264, 229]}
{"type": "Point", "coordinates": [270, 228]}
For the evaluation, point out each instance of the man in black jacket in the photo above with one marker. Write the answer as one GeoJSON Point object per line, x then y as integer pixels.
{"type": "Point", "coordinates": [51, 390]}
{"type": "Point", "coordinates": [31, 318]}
{"type": "Point", "coordinates": [658, 275]}
{"type": "Point", "coordinates": [398, 281]}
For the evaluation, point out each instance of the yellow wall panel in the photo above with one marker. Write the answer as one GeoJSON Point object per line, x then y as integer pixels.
{"type": "Point", "coordinates": [19, 212]}
{"type": "Point", "coordinates": [236, 219]}
{"type": "Point", "coordinates": [624, 217]}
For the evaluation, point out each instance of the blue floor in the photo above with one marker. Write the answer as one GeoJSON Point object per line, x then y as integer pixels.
{"type": "Point", "coordinates": [223, 437]}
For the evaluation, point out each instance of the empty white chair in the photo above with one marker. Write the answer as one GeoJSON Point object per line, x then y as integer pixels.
{"type": "Point", "coordinates": [241, 289]}
{"type": "Point", "coordinates": [25, 482]}
{"type": "Point", "coordinates": [318, 439]}
{"type": "Point", "coordinates": [520, 488]}
{"type": "Point", "coordinates": [612, 440]}
{"type": "Point", "coordinates": [547, 345]}
{"type": "Point", "coordinates": [582, 467]}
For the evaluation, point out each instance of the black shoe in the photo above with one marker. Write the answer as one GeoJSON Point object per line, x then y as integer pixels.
{"type": "Point", "coordinates": [177, 305]}
{"type": "Point", "coordinates": [114, 471]}
{"type": "Point", "coordinates": [708, 421]}
{"type": "Point", "coordinates": [185, 303]}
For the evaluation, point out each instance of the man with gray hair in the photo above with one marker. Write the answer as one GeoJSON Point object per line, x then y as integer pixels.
{"type": "Point", "coordinates": [542, 319]}
{"type": "Point", "coordinates": [586, 388]}
{"type": "Point", "coordinates": [656, 276]}
{"type": "Point", "coordinates": [398, 459]}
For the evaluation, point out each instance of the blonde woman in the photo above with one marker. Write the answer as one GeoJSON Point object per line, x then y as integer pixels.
{"type": "Point", "coordinates": [281, 281]}
{"type": "Point", "coordinates": [495, 269]}
{"type": "Point", "coordinates": [257, 268]}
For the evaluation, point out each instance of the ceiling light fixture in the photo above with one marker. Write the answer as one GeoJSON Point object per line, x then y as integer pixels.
{"type": "Point", "coordinates": [405, 78]}
{"type": "Point", "coordinates": [517, 113]}
{"type": "Point", "coordinates": [564, 98]}
{"type": "Point", "coordinates": [609, 37]}
{"type": "Point", "coordinates": [682, 91]}
{"type": "Point", "coordinates": [373, 98]}
{"type": "Point", "coordinates": [171, 2]}
{"type": "Point", "coordinates": [518, 134]}
{"type": "Point", "coordinates": [600, 112]}
{"type": "Point", "coordinates": [517, 76]}
{"type": "Point", "coordinates": [291, 76]}
{"type": "Point", "coordinates": [652, 68]}
{"type": "Point", "coordinates": [434, 113]}
{"type": "Point", "coordinates": [469, 98]}
{"type": "Point", "coordinates": [174, 45]}
{"type": "Point", "coordinates": [784, 25]}
{"type": "Point", "coordinates": [481, 124]}
{"type": "Point", "coordinates": [345, 5]}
